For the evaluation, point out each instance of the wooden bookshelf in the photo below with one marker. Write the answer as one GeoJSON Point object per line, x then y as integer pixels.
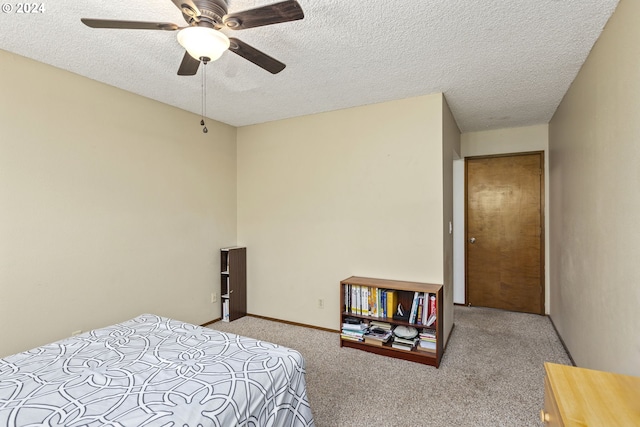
{"type": "Point", "coordinates": [405, 292]}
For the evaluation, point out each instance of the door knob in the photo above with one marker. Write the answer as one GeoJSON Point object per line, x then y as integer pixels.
{"type": "Point", "coordinates": [472, 240]}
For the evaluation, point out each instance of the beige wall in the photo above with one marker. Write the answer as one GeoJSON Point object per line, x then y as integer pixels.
{"type": "Point", "coordinates": [508, 140]}
{"type": "Point", "coordinates": [595, 201]}
{"type": "Point", "coordinates": [512, 140]}
{"type": "Point", "coordinates": [327, 196]}
{"type": "Point", "coordinates": [111, 205]}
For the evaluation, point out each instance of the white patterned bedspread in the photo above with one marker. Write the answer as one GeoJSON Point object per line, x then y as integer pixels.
{"type": "Point", "coordinates": [154, 371]}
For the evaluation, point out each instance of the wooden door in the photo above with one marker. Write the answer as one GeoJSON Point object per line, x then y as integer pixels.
{"type": "Point", "coordinates": [505, 232]}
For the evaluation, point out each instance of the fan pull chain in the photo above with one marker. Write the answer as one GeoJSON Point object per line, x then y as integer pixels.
{"type": "Point", "coordinates": [204, 97]}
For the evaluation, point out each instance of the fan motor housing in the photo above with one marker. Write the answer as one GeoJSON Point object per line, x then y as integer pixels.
{"type": "Point", "coordinates": [211, 11]}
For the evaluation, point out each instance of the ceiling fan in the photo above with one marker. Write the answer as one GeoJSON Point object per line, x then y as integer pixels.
{"type": "Point", "coordinates": [202, 38]}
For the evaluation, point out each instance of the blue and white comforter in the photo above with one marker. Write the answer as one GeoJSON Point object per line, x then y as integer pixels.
{"type": "Point", "coordinates": [154, 371]}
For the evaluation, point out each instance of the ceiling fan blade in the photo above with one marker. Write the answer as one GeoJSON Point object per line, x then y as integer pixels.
{"type": "Point", "coordinates": [129, 25]}
{"type": "Point", "coordinates": [252, 54]}
{"type": "Point", "coordinates": [189, 65]}
{"type": "Point", "coordinates": [275, 13]}
{"type": "Point", "coordinates": [188, 7]}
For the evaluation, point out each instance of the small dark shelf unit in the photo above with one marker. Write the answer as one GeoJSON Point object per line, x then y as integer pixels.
{"type": "Point", "coordinates": [233, 283]}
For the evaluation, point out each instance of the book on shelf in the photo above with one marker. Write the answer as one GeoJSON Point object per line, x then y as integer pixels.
{"type": "Point", "coordinates": [411, 342]}
{"type": "Point", "coordinates": [414, 307]}
{"type": "Point", "coordinates": [347, 298]}
{"type": "Point", "coordinates": [419, 311]}
{"type": "Point", "coordinates": [378, 334]}
{"type": "Point", "coordinates": [352, 320]}
{"type": "Point", "coordinates": [425, 309]}
{"type": "Point", "coordinates": [353, 333]}
{"type": "Point", "coordinates": [392, 302]}
{"type": "Point", "coordinates": [428, 333]}
{"type": "Point", "coordinates": [380, 325]}
{"type": "Point", "coordinates": [225, 310]}
{"type": "Point", "coordinates": [354, 299]}
{"type": "Point", "coordinates": [373, 306]}
{"type": "Point", "coordinates": [350, 300]}
{"type": "Point", "coordinates": [428, 346]}
{"type": "Point", "coordinates": [351, 338]}
{"type": "Point", "coordinates": [431, 320]}
{"type": "Point", "coordinates": [364, 300]}
{"type": "Point", "coordinates": [354, 327]}
{"type": "Point", "coordinates": [401, 346]}
{"type": "Point", "coordinates": [432, 305]}
{"type": "Point", "coordinates": [373, 341]}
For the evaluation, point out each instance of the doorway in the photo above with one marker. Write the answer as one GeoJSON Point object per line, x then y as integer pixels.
{"type": "Point", "coordinates": [504, 223]}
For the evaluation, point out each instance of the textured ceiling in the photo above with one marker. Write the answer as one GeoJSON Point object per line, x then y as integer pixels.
{"type": "Point", "coordinates": [500, 63]}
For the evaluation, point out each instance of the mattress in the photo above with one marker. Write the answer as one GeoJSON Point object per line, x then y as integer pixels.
{"type": "Point", "coordinates": [155, 371]}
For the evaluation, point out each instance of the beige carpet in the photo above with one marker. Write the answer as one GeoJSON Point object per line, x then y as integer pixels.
{"type": "Point", "coordinates": [491, 373]}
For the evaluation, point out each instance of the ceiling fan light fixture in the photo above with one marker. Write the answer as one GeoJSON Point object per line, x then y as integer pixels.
{"type": "Point", "coordinates": [203, 43]}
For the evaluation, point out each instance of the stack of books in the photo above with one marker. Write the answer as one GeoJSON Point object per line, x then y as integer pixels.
{"type": "Point", "coordinates": [381, 325]}
{"type": "Point", "coordinates": [407, 344]}
{"type": "Point", "coordinates": [353, 329]}
{"type": "Point", "coordinates": [427, 340]}
{"type": "Point", "coordinates": [377, 336]}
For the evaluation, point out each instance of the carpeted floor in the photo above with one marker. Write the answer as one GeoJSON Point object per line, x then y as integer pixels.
{"type": "Point", "coordinates": [491, 374]}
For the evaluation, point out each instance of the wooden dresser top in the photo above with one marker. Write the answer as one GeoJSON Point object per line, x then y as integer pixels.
{"type": "Point", "coordinates": [587, 397]}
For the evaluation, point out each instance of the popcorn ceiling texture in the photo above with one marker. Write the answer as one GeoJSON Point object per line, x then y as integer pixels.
{"type": "Point", "coordinates": [499, 63]}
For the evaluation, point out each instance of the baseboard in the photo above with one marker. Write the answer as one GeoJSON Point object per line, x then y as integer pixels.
{"type": "Point", "coordinates": [304, 325]}
{"type": "Point", "coordinates": [212, 321]}
{"type": "Point", "coordinates": [561, 340]}
{"type": "Point", "coordinates": [273, 319]}
{"type": "Point", "coordinates": [448, 338]}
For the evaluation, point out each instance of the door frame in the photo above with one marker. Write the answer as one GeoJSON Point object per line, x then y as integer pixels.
{"type": "Point", "coordinates": [542, 223]}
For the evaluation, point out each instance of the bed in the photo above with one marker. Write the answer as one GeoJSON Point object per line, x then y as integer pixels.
{"type": "Point", "coordinates": [155, 371]}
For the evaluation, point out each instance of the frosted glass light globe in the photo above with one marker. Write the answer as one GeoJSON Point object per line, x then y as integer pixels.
{"type": "Point", "coordinates": [203, 42]}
